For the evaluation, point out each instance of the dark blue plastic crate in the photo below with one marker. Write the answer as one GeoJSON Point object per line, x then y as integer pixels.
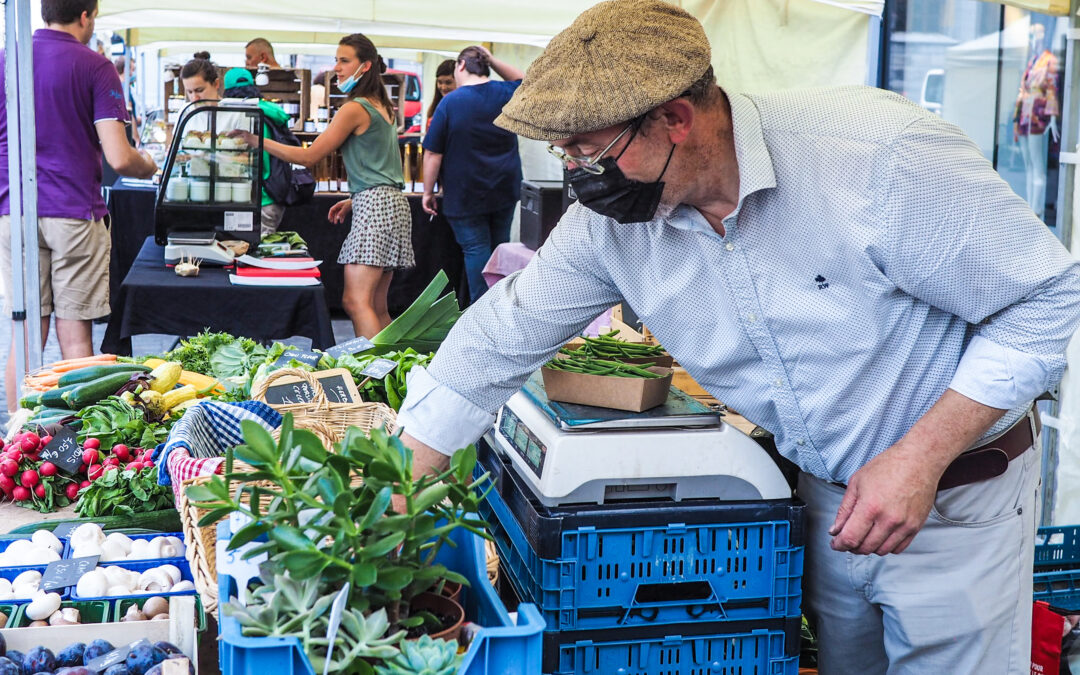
{"type": "Point", "coordinates": [501, 647]}
{"type": "Point", "coordinates": [732, 565]}
{"type": "Point", "coordinates": [753, 651]}
{"type": "Point", "coordinates": [1057, 546]}
{"type": "Point", "coordinates": [1060, 589]}
{"type": "Point", "coordinates": [1057, 567]}
{"type": "Point", "coordinates": [8, 540]}
{"type": "Point", "coordinates": [10, 573]}
{"type": "Point", "coordinates": [142, 566]}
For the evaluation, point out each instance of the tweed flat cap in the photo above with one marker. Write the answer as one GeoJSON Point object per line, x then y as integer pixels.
{"type": "Point", "coordinates": [618, 60]}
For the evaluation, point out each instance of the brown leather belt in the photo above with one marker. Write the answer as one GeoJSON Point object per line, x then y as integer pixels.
{"type": "Point", "coordinates": [992, 458]}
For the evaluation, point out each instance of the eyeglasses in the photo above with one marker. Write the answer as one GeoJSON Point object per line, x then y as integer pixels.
{"type": "Point", "coordinates": [589, 165]}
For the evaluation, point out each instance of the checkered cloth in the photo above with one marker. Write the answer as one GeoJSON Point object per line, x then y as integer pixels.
{"type": "Point", "coordinates": [198, 441]}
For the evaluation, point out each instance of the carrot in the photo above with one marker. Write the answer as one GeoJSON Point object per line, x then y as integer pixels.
{"type": "Point", "coordinates": [67, 367]}
{"type": "Point", "coordinates": [84, 360]}
{"type": "Point", "coordinates": [51, 379]}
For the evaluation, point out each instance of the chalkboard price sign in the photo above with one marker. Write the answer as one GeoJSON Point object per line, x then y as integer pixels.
{"type": "Point", "coordinates": [64, 451]}
{"type": "Point", "coordinates": [353, 346]}
{"type": "Point", "coordinates": [64, 573]}
{"type": "Point", "coordinates": [283, 393]}
{"type": "Point", "coordinates": [337, 384]}
{"type": "Point", "coordinates": [65, 529]}
{"type": "Point", "coordinates": [379, 368]}
{"type": "Point", "coordinates": [305, 357]}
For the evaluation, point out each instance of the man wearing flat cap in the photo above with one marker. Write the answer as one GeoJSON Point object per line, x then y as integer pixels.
{"type": "Point", "coordinates": [840, 266]}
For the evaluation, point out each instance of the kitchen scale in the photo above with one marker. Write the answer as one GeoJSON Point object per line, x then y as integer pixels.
{"type": "Point", "coordinates": [576, 454]}
{"type": "Point", "coordinates": [197, 246]}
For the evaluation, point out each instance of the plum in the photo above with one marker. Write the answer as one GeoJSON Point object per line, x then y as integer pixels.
{"type": "Point", "coordinates": [39, 660]}
{"type": "Point", "coordinates": [143, 657]}
{"type": "Point", "coordinates": [16, 657]}
{"type": "Point", "coordinates": [167, 647]}
{"type": "Point", "coordinates": [3, 645]}
{"type": "Point", "coordinates": [118, 669]}
{"type": "Point", "coordinates": [97, 648]}
{"type": "Point", "coordinates": [77, 670]}
{"type": "Point", "coordinates": [8, 667]}
{"type": "Point", "coordinates": [71, 656]}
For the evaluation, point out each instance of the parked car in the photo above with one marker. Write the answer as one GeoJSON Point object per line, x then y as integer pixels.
{"type": "Point", "coordinates": [413, 106]}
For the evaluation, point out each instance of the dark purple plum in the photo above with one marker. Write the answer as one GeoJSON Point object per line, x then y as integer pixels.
{"type": "Point", "coordinates": [97, 648]}
{"type": "Point", "coordinates": [118, 669]}
{"type": "Point", "coordinates": [71, 656]}
{"type": "Point", "coordinates": [142, 658]}
{"type": "Point", "coordinates": [16, 657]}
{"type": "Point", "coordinates": [167, 647]}
{"type": "Point", "coordinates": [8, 667]}
{"type": "Point", "coordinates": [39, 660]}
{"type": "Point", "coordinates": [77, 670]}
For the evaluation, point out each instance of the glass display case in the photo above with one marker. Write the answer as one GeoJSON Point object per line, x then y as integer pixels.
{"type": "Point", "coordinates": [212, 181]}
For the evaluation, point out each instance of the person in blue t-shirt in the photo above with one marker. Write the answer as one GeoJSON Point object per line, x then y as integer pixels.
{"type": "Point", "coordinates": [481, 168]}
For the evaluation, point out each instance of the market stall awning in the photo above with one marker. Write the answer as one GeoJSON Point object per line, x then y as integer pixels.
{"type": "Point", "coordinates": [1055, 7]}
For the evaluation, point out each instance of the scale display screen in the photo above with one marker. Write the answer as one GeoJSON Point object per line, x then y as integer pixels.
{"type": "Point", "coordinates": [523, 441]}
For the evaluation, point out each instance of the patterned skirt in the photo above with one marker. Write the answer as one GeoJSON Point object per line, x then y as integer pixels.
{"type": "Point", "coordinates": [381, 234]}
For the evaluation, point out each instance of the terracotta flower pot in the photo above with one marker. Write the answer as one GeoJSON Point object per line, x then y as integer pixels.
{"type": "Point", "coordinates": [444, 606]}
{"type": "Point", "coordinates": [452, 590]}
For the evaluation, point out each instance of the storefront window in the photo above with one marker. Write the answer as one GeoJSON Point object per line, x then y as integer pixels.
{"type": "Point", "coordinates": [995, 72]}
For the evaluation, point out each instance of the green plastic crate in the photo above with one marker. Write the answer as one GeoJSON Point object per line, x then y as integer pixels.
{"type": "Point", "coordinates": [122, 605]}
{"type": "Point", "coordinates": [90, 611]}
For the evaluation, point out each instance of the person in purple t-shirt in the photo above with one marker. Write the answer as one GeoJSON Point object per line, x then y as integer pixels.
{"type": "Point", "coordinates": [79, 112]}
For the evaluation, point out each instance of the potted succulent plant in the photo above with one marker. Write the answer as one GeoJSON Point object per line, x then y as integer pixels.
{"type": "Point", "coordinates": [325, 519]}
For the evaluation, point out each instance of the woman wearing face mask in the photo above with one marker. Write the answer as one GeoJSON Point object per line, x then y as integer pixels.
{"type": "Point", "coordinates": [444, 84]}
{"type": "Point", "coordinates": [380, 240]}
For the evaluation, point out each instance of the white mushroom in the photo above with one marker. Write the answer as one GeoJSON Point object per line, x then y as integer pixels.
{"type": "Point", "coordinates": [118, 576]}
{"type": "Point", "coordinates": [87, 534]}
{"type": "Point", "coordinates": [134, 614]}
{"type": "Point", "coordinates": [65, 616]}
{"type": "Point", "coordinates": [42, 606]}
{"type": "Point", "coordinates": [112, 550]}
{"type": "Point", "coordinates": [114, 591]}
{"type": "Point", "coordinates": [93, 584]}
{"type": "Point", "coordinates": [182, 586]}
{"type": "Point", "coordinates": [48, 539]}
{"type": "Point", "coordinates": [178, 544]}
{"type": "Point", "coordinates": [173, 571]}
{"type": "Point", "coordinates": [155, 580]}
{"type": "Point", "coordinates": [154, 549]}
{"type": "Point", "coordinates": [86, 550]}
{"type": "Point", "coordinates": [26, 584]}
{"type": "Point", "coordinates": [140, 549]}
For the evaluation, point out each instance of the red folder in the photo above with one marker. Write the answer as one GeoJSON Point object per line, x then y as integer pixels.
{"type": "Point", "coordinates": [260, 272]}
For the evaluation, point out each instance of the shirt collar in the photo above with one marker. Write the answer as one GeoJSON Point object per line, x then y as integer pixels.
{"type": "Point", "coordinates": [50, 34]}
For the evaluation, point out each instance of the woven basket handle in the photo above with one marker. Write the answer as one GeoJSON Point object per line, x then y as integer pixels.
{"type": "Point", "coordinates": [259, 392]}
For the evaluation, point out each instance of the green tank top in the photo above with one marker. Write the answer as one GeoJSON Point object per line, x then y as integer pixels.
{"type": "Point", "coordinates": [373, 158]}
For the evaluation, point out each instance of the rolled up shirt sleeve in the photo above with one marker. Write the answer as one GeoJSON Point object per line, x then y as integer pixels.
{"type": "Point", "coordinates": [955, 230]}
{"type": "Point", "coordinates": [511, 331]}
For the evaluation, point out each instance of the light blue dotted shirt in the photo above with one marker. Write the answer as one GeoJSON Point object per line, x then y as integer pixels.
{"type": "Point", "coordinates": [875, 259]}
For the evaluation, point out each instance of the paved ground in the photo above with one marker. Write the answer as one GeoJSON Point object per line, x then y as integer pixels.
{"type": "Point", "coordinates": [144, 344]}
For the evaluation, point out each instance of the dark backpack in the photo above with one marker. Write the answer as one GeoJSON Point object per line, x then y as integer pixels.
{"type": "Point", "coordinates": [287, 184]}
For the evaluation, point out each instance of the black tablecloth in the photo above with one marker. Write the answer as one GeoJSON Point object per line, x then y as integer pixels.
{"type": "Point", "coordinates": [152, 299]}
{"type": "Point", "coordinates": [132, 211]}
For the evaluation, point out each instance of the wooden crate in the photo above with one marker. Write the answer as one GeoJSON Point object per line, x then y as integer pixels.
{"type": "Point", "coordinates": [289, 87]}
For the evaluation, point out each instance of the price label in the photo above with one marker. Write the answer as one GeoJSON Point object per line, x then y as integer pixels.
{"type": "Point", "coordinates": [239, 221]}
{"type": "Point", "coordinates": [114, 657]}
{"type": "Point", "coordinates": [65, 529]}
{"type": "Point", "coordinates": [64, 451]}
{"type": "Point", "coordinates": [305, 357]}
{"type": "Point", "coordinates": [336, 383]}
{"type": "Point", "coordinates": [233, 564]}
{"type": "Point", "coordinates": [379, 368]}
{"type": "Point", "coordinates": [64, 573]}
{"type": "Point", "coordinates": [353, 346]}
{"type": "Point", "coordinates": [336, 610]}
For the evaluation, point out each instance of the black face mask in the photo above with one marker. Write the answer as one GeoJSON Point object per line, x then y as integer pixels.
{"type": "Point", "coordinates": [614, 195]}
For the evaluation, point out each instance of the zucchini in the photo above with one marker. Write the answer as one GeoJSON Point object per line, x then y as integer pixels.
{"type": "Point", "coordinates": [32, 400]}
{"type": "Point", "coordinates": [91, 373]}
{"type": "Point", "coordinates": [45, 413]}
{"type": "Point", "coordinates": [89, 393]}
{"type": "Point", "coordinates": [54, 398]}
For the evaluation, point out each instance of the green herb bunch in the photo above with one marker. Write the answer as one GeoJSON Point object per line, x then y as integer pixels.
{"type": "Point", "coordinates": [123, 493]}
{"type": "Point", "coordinates": [320, 524]}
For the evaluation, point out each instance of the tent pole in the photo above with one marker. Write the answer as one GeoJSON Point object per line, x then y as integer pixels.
{"type": "Point", "coordinates": [28, 176]}
{"type": "Point", "coordinates": [11, 91]}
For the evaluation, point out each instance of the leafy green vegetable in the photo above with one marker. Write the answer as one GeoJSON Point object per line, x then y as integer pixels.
{"type": "Point", "coordinates": [236, 359]}
{"type": "Point", "coordinates": [123, 493]}
{"type": "Point", "coordinates": [113, 421]}
{"type": "Point", "coordinates": [429, 318]}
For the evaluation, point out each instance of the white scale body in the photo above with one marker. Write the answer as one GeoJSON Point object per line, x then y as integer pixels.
{"type": "Point", "coordinates": [196, 246]}
{"type": "Point", "coordinates": [634, 456]}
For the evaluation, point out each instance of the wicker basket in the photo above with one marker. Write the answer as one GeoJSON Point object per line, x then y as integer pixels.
{"type": "Point", "coordinates": [337, 416]}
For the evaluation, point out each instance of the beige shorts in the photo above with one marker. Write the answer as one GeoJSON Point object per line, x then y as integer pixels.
{"type": "Point", "coordinates": [73, 263]}
{"type": "Point", "coordinates": [272, 215]}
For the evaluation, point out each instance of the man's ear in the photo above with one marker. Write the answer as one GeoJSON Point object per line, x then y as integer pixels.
{"type": "Point", "coordinates": [677, 118]}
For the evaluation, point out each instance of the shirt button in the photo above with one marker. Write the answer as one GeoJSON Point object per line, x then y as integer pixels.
{"type": "Point", "coordinates": [801, 441]}
{"type": "Point", "coordinates": [778, 383]}
{"type": "Point", "coordinates": [729, 246]}
{"type": "Point", "coordinates": [751, 317]}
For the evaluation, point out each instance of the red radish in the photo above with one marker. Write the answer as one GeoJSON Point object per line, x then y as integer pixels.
{"type": "Point", "coordinates": [91, 456]}
{"type": "Point", "coordinates": [112, 467]}
{"type": "Point", "coordinates": [135, 466]}
{"type": "Point", "coordinates": [95, 471]}
{"type": "Point", "coordinates": [7, 483]}
{"type": "Point", "coordinates": [47, 469]}
{"type": "Point", "coordinates": [91, 444]}
{"type": "Point", "coordinates": [30, 478]}
{"type": "Point", "coordinates": [9, 467]}
{"type": "Point", "coordinates": [20, 494]}
{"type": "Point", "coordinates": [2, 443]}
{"type": "Point", "coordinates": [72, 491]}
{"type": "Point", "coordinates": [120, 450]}
{"type": "Point", "coordinates": [14, 454]}
{"type": "Point", "coordinates": [83, 484]}
{"type": "Point", "coordinates": [30, 442]}
{"type": "Point", "coordinates": [148, 464]}
{"type": "Point", "coordinates": [45, 440]}
{"type": "Point", "coordinates": [112, 461]}
{"type": "Point", "coordinates": [40, 490]}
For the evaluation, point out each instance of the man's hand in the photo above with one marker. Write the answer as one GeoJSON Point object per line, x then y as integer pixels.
{"type": "Point", "coordinates": [888, 499]}
{"type": "Point", "coordinates": [429, 204]}
{"type": "Point", "coordinates": [886, 503]}
{"type": "Point", "coordinates": [339, 211]}
{"type": "Point", "coordinates": [247, 137]}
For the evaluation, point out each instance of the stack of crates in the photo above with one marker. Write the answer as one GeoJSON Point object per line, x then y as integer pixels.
{"type": "Point", "coordinates": [653, 587]}
{"type": "Point", "coordinates": [1057, 567]}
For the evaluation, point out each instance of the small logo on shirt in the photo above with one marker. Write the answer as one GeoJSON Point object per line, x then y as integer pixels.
{"type": "Point", "coordinates": [821, 283]}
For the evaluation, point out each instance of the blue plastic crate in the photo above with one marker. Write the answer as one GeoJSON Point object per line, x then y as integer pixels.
{"type": "Point", "coordinates": [1060, 589]}
{"type": "Point", "coordinates": [142, 566]}
{"type": "Point", "coordinates": [762, 651]}
{"type": "Point", "coordinates": [1057, 567]}
{"type": "Point", "coordinates": [1057, 546]}
{"type": "Point", "coordinates": [8, 540]}
{"type": "Point", "coordinates": [163, 561]}
{"type": "Point", "coordinates": [10, 573]}
{"type": "Point", "coordinates": [500, 647]}
{"type": "Point", "coordinates": [741, 562]}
